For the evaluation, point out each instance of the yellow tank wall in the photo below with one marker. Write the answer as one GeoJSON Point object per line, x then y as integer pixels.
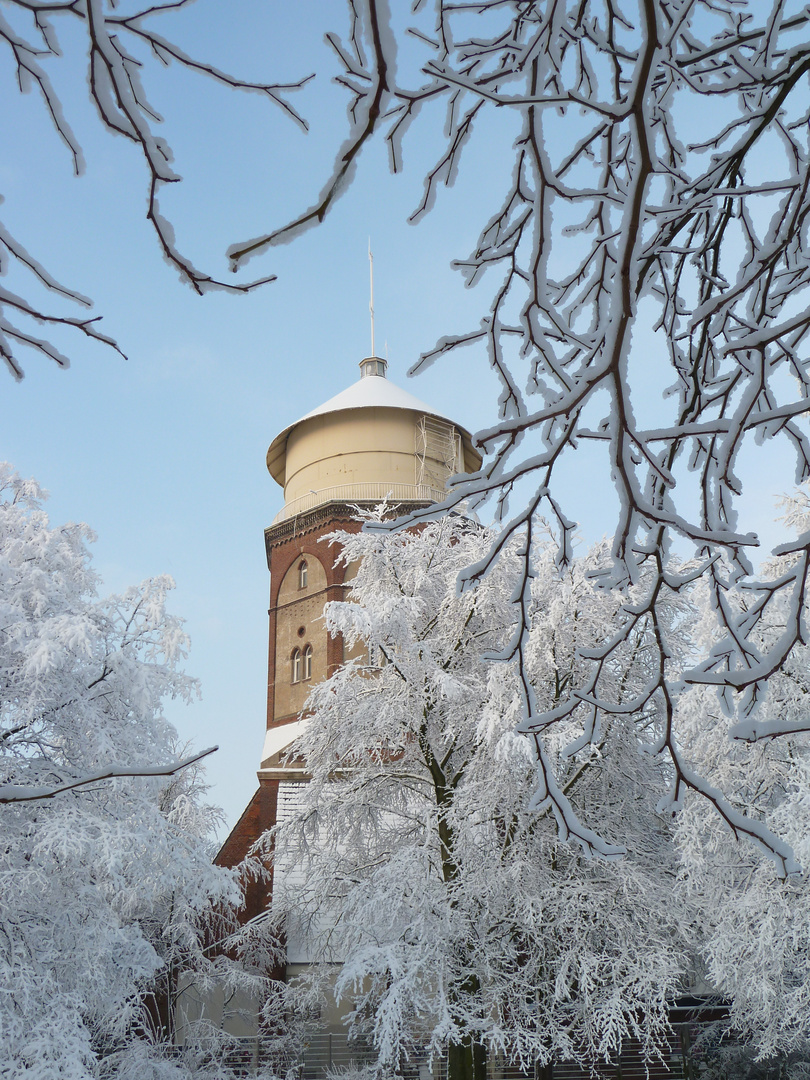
{"type": "Point", "coordinates": [366, 446]}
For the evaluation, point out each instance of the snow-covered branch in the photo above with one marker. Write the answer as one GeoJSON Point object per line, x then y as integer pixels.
{"type": "Point", "coordinates": [15, 793]}
{"type": "Point", "coordinates": [371, 85]}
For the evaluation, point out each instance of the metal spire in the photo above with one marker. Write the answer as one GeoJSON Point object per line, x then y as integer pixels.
{"type": "Point", "coordinates": [371, 300]}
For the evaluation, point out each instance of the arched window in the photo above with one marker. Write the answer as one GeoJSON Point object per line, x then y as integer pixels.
{"type": "Point", "coordinates": [308, 662]}
{"type": "Point", "coordinates": [302, 574]}
{"type": "Point", "coordinates": [296, 665]}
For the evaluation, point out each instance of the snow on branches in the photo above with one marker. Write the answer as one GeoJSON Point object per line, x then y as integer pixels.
{"type": "Point", "coordinates": [107, 884]}
{"type": "Point", "coordinates": [415, 859]}
{"type": "Point", "coordinates": [434, 896]}
{"type": "Point", "coordinates": [646, 284]}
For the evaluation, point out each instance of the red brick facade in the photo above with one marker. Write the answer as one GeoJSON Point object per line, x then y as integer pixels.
{"type": "Point", "coordinates": [286, 543]}
{"type": "Point", "coordinates": [257, 817]}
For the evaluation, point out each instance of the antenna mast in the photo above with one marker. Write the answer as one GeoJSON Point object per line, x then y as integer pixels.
{"type": "Point", "coordinates": [371, 300]}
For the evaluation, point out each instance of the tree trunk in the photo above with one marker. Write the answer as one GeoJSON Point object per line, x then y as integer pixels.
{"type": "Point", "coordinates": [466, 1060]}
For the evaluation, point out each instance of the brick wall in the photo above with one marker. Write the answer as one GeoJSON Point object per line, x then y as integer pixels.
{"type": "Point", "coordinates": [258, 816]}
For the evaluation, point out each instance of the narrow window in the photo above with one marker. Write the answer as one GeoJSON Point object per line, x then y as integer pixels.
{"type": "Point", "coordinates": [302, 574]}
{"type": "Point", "coordinates": [308, 662]}
{"type": "Point", "coordinates": [296, 665]}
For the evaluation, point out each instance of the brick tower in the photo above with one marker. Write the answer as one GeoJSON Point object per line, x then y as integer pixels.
{"type": "Point", "coordinates": [370, 442]}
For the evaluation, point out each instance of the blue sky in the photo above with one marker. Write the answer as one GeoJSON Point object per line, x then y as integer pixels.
{"type": "Point", "coordinates": [163, 454]}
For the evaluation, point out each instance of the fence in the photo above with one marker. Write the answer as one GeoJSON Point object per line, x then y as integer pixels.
{"type": "Point", "coordinates": [327, 1053]}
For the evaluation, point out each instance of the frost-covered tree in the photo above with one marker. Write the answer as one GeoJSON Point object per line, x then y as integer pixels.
{"type": "Point", "coordinates": [108, 892]}
{"type": "Point", "coordinates": [754, 929]}
{"type": "Point", "coordinates": [418, 864]}
{"type": "Point", "coordinates": [645, 282]}
{"type": "Point", "coordinates": [723, 1060]}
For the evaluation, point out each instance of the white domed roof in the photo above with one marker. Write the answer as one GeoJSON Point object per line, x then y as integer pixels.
{"type": "Point", "coordinates": [373, 392]}
{"type": "Point", "coordinates": [369, 392]}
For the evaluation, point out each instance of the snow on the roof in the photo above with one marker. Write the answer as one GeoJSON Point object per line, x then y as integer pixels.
{"type": "Point", "coordinates": [279, 738]}
{"type": "Point", "coordinates": [374, 391]}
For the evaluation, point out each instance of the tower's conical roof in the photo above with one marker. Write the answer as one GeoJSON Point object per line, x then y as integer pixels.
{"type": "Point", "coordinates": [369, 392]}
